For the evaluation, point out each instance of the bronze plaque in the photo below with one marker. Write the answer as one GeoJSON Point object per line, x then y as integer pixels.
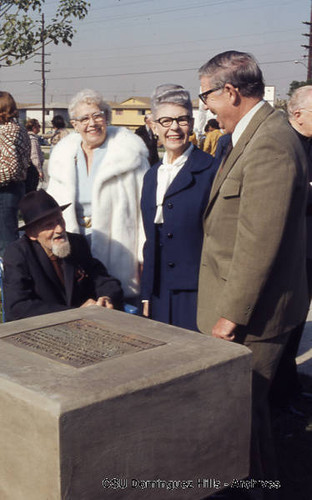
{"type": "Point", "coordinates": [81, 342]}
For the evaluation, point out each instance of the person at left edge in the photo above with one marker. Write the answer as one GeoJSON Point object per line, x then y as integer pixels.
{"type": "Point", "coordinates": [175, 193]}
{"type": "Point", "coordinates": [48, 269]}
{"type": "Point", "coordinates": [14, 162]}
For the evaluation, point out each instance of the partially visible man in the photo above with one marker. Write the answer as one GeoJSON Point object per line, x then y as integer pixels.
{"type": "Point", "coordinates": [299, 109]}
{"type": "Point", "coordinates": [252, 284]}
{"type": "Point", "coordinates": [286, 386]}
{"type": "Point", "coordinates": [49, 270]}
{"type": "Point", "coordinates": [147, 135]}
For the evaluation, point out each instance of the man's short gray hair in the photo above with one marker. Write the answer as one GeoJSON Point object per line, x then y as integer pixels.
{"type": "Point", "coordinates": [89, 96]}
{"type": "Point", "coordinates": [298, 99]}
{"type": "Point", "coordinates": [237, 68]}
{"type": "Point", "coordinates": [169, 93]}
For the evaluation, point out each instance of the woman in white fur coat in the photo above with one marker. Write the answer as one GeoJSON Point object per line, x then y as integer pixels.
{"type": "Point", "coordinates": [100, 170]}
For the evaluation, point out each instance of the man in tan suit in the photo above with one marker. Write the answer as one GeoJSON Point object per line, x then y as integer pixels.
{"type": "Point", "coordinates": [252, 285]}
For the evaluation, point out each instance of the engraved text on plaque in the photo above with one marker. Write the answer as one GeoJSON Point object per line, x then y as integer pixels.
{"type": "Point", "coordinates": [81, 342]}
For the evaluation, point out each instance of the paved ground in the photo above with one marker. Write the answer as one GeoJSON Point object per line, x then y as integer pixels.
{"type": "Point", "coordinates": [293, 431]}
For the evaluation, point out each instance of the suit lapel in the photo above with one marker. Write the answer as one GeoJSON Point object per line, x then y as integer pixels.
{"type": "Point", "coordinates": [151, 187]}
{"type": "Point", "coordinates": [185, 177]}
{"type": "Point", "coordinates": [227, 165]}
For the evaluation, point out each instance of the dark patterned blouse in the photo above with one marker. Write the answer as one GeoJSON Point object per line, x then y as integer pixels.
{"type": "Point", "coordinates": [14, 152]}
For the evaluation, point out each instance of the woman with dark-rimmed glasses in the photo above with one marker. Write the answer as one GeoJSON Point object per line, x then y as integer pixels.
{"type": "Point", "coordinates": [175, 195]}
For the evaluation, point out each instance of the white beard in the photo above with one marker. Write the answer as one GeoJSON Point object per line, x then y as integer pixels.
{"type": "Point", "coordinates": [61, 249]}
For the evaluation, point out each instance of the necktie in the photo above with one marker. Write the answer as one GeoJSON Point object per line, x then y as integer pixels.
{"type": "Point", "coordinates": [58, 268]}
{"type": "Point", "coordinates": [226, 155]}
{"type": "Point", "coordinates": [227, 151]}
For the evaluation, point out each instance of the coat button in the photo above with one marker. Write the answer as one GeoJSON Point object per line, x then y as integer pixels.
{"type": "Point", "coordinates": [170, 235]}
{"type": "Point", "coordinates": [171, 264]}
{"type": "Point", "coordinates": [170, 205]}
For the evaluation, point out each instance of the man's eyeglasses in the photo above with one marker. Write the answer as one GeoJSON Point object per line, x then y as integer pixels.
{"type": "Point", "coordinates": [97, 117]}
{"type": "Point", "coordinates": [204, 95]}
{"type": "Point", "coordinates": [167, 121]}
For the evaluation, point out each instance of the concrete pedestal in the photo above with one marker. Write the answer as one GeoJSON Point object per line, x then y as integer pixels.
{"type": "Point", "coordinates": [101, 404]}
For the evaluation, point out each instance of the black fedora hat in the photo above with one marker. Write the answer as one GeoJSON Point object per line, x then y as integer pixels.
{"type": "Point", "coordinates": [37, 205]}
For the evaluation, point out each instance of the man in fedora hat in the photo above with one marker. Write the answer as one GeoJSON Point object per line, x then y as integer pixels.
{"type": "Point", "coordinates": [49, 270]}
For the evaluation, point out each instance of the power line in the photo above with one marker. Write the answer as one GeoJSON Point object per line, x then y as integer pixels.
{"type": "Point", "coordinates": [159, 12]}
{"type": "Point", "coordinates": [134, 73]}
{"type": "Point", "coordinates": [172, 10]}
{"type": "Point", "coordinates": [186, 42]}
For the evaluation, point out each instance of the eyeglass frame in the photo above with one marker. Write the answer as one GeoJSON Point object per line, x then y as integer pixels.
{"type": "Point", "coordinates": [187, 118]}
{"type": "Point", "coordinates": [204, 95]}
{"type": "Point", "coordinates": [100, 115]}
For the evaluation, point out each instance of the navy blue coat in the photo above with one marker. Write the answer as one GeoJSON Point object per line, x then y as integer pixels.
{"type": "Point", "coordinates": [184, 204]}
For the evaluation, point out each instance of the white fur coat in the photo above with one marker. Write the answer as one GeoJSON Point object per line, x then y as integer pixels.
{"type": "Point", "coordinates": [117, 230]}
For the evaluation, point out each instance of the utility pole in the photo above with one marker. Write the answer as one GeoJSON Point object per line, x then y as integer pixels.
{"type": "Point", "coordinates": [43, 81]}
{"type": "Point", "coordinates": [43, 71]}
{"type": "Point", "coordinates": [309, 46]}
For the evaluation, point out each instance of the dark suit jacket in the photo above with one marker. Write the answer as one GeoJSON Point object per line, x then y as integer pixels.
{"type": "Point", "coordinates": [253, 259]}
{"type": "Point", "coordinates": [307, 144]}
{"type": "Point", "coordinates": [31, 286]}
{"type": "Point", "coordinates": [151, 144]}
{"type": "Point", "coordinates": [222, 146]}
{"type": "Point", "coordinates": [183, 208]}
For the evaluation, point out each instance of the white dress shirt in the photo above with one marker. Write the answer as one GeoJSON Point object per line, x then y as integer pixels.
{"type": "Point", "coordinates": [243, 122]}
{"type": "Point", "coordinates": [165, 175]}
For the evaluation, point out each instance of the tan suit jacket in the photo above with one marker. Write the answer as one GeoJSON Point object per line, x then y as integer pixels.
{"type": "Point", "coordinates": [253, 258]}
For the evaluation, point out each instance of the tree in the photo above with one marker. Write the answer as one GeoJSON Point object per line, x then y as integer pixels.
{"type": "Point", "coordinates": [295, 85]}
{"type": "Point", "coordinates": [21, 34]}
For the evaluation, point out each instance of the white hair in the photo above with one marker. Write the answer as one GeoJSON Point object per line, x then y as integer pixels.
{"type": "Point", "coordinates": [89, 96]}
{"type": "Point", "coordinates": [169, 93]}
{"type": "Point", "coordinates": [298, 99]}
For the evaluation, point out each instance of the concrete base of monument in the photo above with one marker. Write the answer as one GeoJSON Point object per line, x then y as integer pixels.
{"type": "Point", "coordinates": [101, 404]}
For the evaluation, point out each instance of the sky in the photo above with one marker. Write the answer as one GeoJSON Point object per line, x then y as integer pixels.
{"type": "Point", "coordinates": [124, 48]}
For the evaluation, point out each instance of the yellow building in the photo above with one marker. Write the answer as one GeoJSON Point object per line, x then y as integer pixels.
{"type": "Point", "coordinates": [130, 113]}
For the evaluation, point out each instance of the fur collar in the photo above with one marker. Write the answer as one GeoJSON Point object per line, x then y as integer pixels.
{"type": "Point", "coordinates": [125, 152]}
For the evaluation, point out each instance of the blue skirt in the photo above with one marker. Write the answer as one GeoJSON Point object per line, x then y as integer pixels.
{"type": "Point", "coordinates": [175, 307]}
